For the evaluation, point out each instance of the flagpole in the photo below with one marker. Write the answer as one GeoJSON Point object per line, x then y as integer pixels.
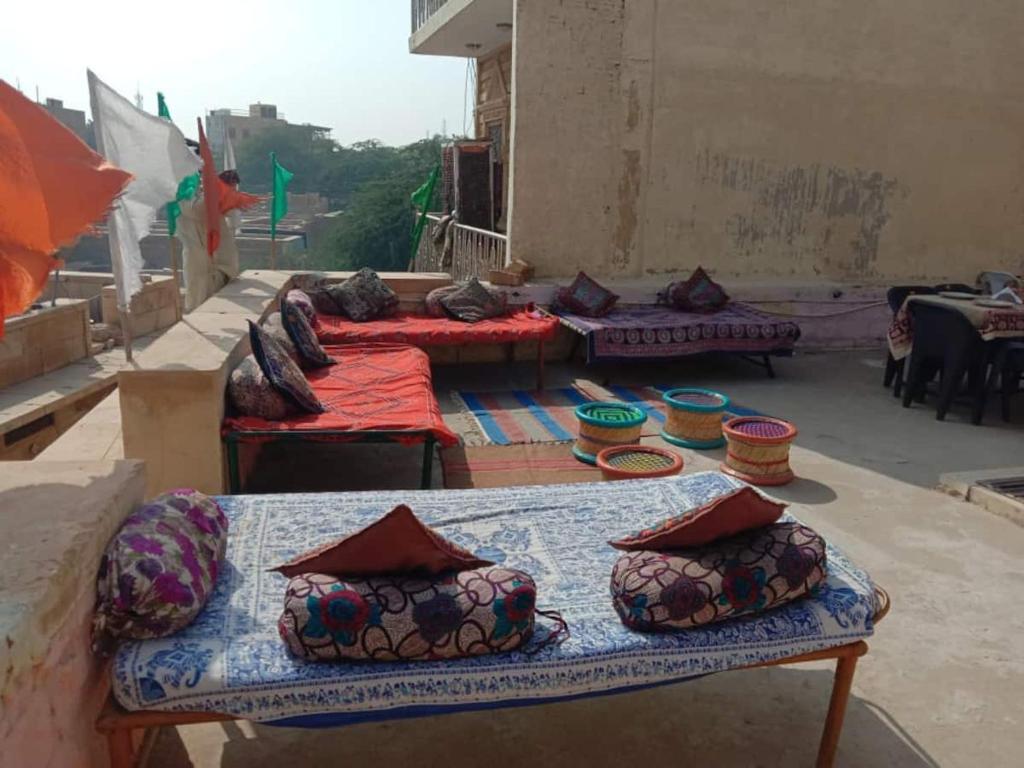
{"type": "Point", "coordinates": [174, 275]}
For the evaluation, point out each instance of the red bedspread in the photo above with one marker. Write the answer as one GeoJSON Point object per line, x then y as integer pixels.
{"type": "Point", "coordinates": [423, 331]}
{"type": "Point", "coordinates": [371, 388]}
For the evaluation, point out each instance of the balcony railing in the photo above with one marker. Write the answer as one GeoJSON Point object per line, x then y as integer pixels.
{"type": "Point", "coordinates": [475, 252]}
{"type": "Point", "coordinates": [423, 10]}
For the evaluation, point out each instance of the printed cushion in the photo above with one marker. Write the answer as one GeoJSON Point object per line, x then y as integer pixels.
{"type": "Point", "coordinates": [749, 573]}
{"type": "Point", "coordinates": [364, 296]}
{"type": "Point", "coordinates": [585, 297]}
{"type": "Point", "coordinates": [252, 394]}
{"type": "Point", "coordinates": [472, 302]}
{"type": "Point", "coordinates": [286, 377]}
{"type": "Point", "coordinates": [309, 281]}
{"type": "Point", "coordinates": [733, 513]}
{"type": "Point", "coordinates": [434, 307]}
{"type": "Point", "coordinates": [398, 543]}
{"type": "Point", "coordinates": [274, 325]}
{"type": "Point", "coordinates": [392, 618]}
{"type": "Point", "coordinates": [305, 304]}
{"type": "Point", "coordinates": [299, 330]}
{"type": "Point", "coordinates": [323, 301]}
{"type": "Point", "coordinates": [159, 569]}
{"type": "Point", "coordinates": [698, 294]}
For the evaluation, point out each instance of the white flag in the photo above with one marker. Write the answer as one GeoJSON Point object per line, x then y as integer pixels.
{"type": "Point", "coordinates": [153, 150]}
{"type": "Point", "coordinates": [229, 153]}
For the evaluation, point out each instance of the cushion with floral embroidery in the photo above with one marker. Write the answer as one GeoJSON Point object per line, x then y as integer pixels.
{"type": "Point", "coordinates": [286, 377]}
{"type": "Point", "coordinates": [400, 618]}
{"type": "Point", "coordinates": [364, 296]}
{"type": "Point", "coordinates": [274, 325]}
{"type": "Point", "coordinates": [433, 306]}
{"type": "Point", "coordinates": [303, 336]}
{"type": "Point", "coordinates": [304, 304]}
{"type": "Point", "coordinates": [585, 296]}
{"type": "Point", "coordinates": [698, 293]}
{"type": "Point", "coordinates": [159, 569]}
{"type": "Point", "coordinates": [727, 515]}
{"type": "Point", "coordinates": [471, 302]}
{"type": "Point", "coordinates": [397, 543]}
{"type": "Point", "coordinates": [746, 574]}
{"type": "Point", "coordinates": [252, 394]}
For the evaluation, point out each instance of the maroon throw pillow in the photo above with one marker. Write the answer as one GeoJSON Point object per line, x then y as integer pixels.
{"type": "Point", "coordinates": [699, 293]}
{"type": "Point", "coordinates": [585, 297]}
{"type": "Point", "coordinates": [741, 510]}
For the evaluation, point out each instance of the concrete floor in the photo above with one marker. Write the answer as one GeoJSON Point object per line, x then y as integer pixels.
{"type": "Point", "coordinates": [941, 685]}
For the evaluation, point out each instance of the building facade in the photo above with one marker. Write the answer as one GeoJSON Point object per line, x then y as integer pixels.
{"type": "Point", "coordinates": [238, 125]}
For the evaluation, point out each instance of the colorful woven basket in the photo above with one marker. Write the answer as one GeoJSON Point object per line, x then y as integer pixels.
{"type": "Point", "coordinates": [629, 462]}
{"type": "Point", "coordinates": [758, 451]}
{"type": "Point", "coordinates": [606, 424]}
{"type": "Point", "coordinates": [694, 418]}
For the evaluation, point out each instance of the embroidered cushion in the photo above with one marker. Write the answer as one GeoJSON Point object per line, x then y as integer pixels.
{"type": "Point", "coordinates": [283, 374]}
{"type": "Point", "coordinates": [585, 297]}
{"type": "Point", "coordinates": [302, 335]}
{"type": "Point", "coordinates": [472, 302]}
{"type": "Point", "coordinates": [434, 307]}
{"type": "Point", "coordinates": [308, 281]}
{"type": "Point", "coordinates": [389, 618]}
{"type": "Point", "coordinates": [252, 394]}
{"type": "Point", "coordinates": [699, 293]}
{"type": "Point", "coordinates": [397, 543]}
{"type": "Point", "coordinates": [274, 325]}
{"type": "Point", "coordinates": [304, 304]}
{"type": "Point", "coordinates": [364, 296]}
{"type": "Point", "coordinates": [749, 573]}
{"type": "Point", "coordinates": [159, 569]}
{"type": "Point", "coordinates": [323, 301]}
{"type": "Point", "coordinates": [735, 512]}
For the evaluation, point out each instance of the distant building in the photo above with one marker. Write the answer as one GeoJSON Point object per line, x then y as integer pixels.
{"type": "Point", "coordinates": [240, 125]}
{"type": "Point", "coordinates": [72, 118]}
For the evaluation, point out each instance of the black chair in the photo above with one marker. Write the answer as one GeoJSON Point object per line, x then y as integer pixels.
{"type": "Point", "coordinates": [946, 342]}
{"type": "Point", "coordinates": [895, 296]}
{"type": "Point", "coordinates": [1008, 365]}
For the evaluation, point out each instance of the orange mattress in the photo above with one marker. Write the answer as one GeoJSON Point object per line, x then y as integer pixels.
{"type": "Point", "coordinates": [423, 331]}
{"type": "Point", "coordinates": [371, 388]}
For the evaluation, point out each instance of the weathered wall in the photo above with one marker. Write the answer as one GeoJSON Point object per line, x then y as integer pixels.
{"type": "Point", "coordinates": [853, 141]}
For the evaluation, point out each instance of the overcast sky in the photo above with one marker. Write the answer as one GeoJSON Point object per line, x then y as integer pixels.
{"type": "Point", "coordinates": [344, 64]}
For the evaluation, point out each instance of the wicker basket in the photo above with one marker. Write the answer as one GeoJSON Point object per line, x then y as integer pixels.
{"type": "Point", "coordinates": [758, 451]}
{"type": "Point", "coordinates": [629, 462]}
{"type": "Point", "coordinates": [694, 418]}
{"type": "Point", "coordinates": [603, 425]}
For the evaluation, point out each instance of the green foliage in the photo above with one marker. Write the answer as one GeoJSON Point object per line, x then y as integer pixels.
{"type": "Point", "coordinates": [368, 181]}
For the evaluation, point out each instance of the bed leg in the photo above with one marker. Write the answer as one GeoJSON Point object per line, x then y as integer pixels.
{"type": "Point", "coordinates": [119, 743]}
{"type": "Point", "coordinates": [234, 481]}
{"type": "Point", "coordinates": [843, 681]}
{"type": "Point", "coordinates": [768, 367]}
{"type": "Point", "coordinates": [428, 464]}
{"type": "Point", "coordinates": [540, 366]}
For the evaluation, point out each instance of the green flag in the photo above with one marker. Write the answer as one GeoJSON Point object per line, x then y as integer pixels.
{"type": "Point", "coordinates": [421, 199]}
{"type": "Point", "coordinates": [189, 185]}
{"type": "Point", "coordinates": [279, 204]}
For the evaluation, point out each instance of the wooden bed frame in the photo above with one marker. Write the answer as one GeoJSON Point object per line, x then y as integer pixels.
{"type": "Point", "coordinates": [119, 726]}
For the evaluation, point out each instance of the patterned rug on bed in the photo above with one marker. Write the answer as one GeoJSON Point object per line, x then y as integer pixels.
{"type": "Point", "coordinates": [516, 417]}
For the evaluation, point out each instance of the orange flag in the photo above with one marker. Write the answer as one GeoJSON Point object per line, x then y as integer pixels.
{"type": "Point", "coordinates": [231, 198]}
{"type": "Point", "coordinates": [211, 193]}
{"type": "Point", "coordinates": [52, 188]}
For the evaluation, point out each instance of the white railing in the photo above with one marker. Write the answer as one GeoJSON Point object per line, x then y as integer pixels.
{"type": "Point", "coordinates": [475, 252]}
{"type": "Point", "coordinates": [423, 10]}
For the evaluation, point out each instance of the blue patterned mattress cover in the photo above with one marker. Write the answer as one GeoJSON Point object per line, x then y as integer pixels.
{"type": "Point", "coordinates": [232, 661]}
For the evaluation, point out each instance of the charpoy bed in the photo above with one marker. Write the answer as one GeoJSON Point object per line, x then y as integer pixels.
{"type": "Point", "coordinates": [652, 333]}
{"type": "Point", "coordinates": [423, 331]}
{"type": "Point", "coordinates": [373, 393]}
{"type": "Point", "coordinates": [231, 664]}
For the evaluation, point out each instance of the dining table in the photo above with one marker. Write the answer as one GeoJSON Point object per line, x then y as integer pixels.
{"type": "Point", "coordinates": [991, 322]}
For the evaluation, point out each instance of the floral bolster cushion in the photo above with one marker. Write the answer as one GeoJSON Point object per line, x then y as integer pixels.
{"type": "Point", "coordinates": [749, 573]}
{"type": "Point", "coordinates": [390, 618]}
{"type": "Point", "coordinates": [159, 569]}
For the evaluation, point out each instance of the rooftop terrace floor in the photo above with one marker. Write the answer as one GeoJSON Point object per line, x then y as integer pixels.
{"type": "Point", "coordinates": [940, 686]}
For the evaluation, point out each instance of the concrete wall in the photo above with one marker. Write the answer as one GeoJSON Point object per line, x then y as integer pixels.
{"type": "Point", "coordinates": [44, 340]}
{"type": "Point", "coordinates": [864, 141]}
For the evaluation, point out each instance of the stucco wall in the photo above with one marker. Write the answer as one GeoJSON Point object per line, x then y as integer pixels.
{"type": "Point", "coordinates": [866, 141]}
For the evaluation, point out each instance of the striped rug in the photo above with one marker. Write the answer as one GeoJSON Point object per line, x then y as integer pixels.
{"type": "Point", "coordinates": [515, 417]}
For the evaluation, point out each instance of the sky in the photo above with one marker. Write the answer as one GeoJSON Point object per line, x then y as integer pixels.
{"type": "Point", "coordinates": [343, 64]}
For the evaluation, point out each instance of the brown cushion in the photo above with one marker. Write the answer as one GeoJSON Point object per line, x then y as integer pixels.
{"type": "Point", "coordinates": [252, 394]}
{"type": "Point", "coordinates": [364, 296]}
{"type": "Point", "coordinates": [398, 543]}
{"type": "Point", "coordinates": [282, 372]}
{"type": "Point", "coordinates": [699, 293]}
{"type": "Point", "coordinates": [585, 297]}
{"type": "Point", "coordinates": [472, 302]}
{"type": "Point", "coordinates": [741, 510]}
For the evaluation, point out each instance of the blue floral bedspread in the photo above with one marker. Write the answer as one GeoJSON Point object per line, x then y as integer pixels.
{"type": "Point", "coordinates": [231, 659]}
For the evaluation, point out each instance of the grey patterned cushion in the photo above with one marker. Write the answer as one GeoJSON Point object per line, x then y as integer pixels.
{"type": "Point", "coordinates": [304, 304]}
{"type": "Point", "coordinates": [274, 325]}
{"type": "Point", "coordinates": [745, 574]}
{"type": "Point", "coordinates": [323, 301]}
{"type": "Point", "coordinates": [364, 296]}
{"type": "Point", "coordinates": [252, 394]}
{"type": "Point", "coordinates": [472, 302]}
{"type": "Point", "coordinates": [434, 307]}
{"type": "Point", "coordinates": [284, 374]}
{"type": "Point", "coordinates": [301, 333]}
